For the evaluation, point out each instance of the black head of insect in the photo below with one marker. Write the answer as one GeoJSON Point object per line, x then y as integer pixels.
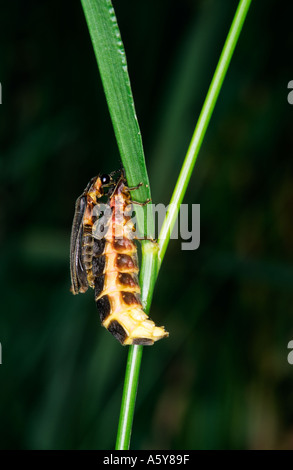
{"type": "Point", "coordinates": [106, 179]}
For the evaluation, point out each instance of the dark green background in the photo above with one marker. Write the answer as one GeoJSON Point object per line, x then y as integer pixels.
{"type": "Point", "coordinates": [222, 379]}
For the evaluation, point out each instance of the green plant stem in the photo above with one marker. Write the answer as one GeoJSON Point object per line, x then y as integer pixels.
{"type": "Point", "coordinates": [128, 397]}
{"type": "Point", "coordinates": [149, 266]}
{"type": "Point", "coordinates": [201, 126]}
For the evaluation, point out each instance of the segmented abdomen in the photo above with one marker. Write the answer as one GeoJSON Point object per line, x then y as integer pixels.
{"type": "Point", "coordinates": [117, 292]}
{"type": "Point", "coordinates": [109, 264]}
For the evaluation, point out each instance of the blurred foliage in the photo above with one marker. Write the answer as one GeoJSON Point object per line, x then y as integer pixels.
{"type": "Point", "coordinates": [222, 379]}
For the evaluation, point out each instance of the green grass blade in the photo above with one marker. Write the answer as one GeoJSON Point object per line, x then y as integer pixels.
{"type": "Point", "coordinates": [128, 398]}
{"type": "Point", "coordinates": [202, 125]}
{"type": "Point", "coordinates": [111, 59]}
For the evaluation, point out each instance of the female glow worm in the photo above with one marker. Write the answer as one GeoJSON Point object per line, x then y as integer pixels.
{"type": "Point", "coordinates": [108, 263]}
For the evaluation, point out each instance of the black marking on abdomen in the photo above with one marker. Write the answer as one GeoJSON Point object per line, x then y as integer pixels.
{"type": "Point", "coordinates": [98, 265]}
{"type": "Point", "coordinates": [130, 298]}
{"type": "Point", "coordinates": [99, 285]}
{"type": "Point", "coordinates": [128, 280]}
{"type": "Point", "coordinates": [118, 331]}
{"type": "Point", "coordinates": [143, 341]}
{"type": "Point", "coordinates": [99, 246]}
{"type": "Point", "coordinates": [124, 245]}
{"type": "Point", "coordinates": [104, 307]}
{"type": "Point", "coordinates": [125, 262]}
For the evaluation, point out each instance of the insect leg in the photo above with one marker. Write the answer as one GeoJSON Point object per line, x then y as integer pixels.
{"type": "Point", "coordinates": [154, 240]}
{"type": "Point", "coordinates": [141, 203]}
{"type": "Point", "coordinates": [133, 188]}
